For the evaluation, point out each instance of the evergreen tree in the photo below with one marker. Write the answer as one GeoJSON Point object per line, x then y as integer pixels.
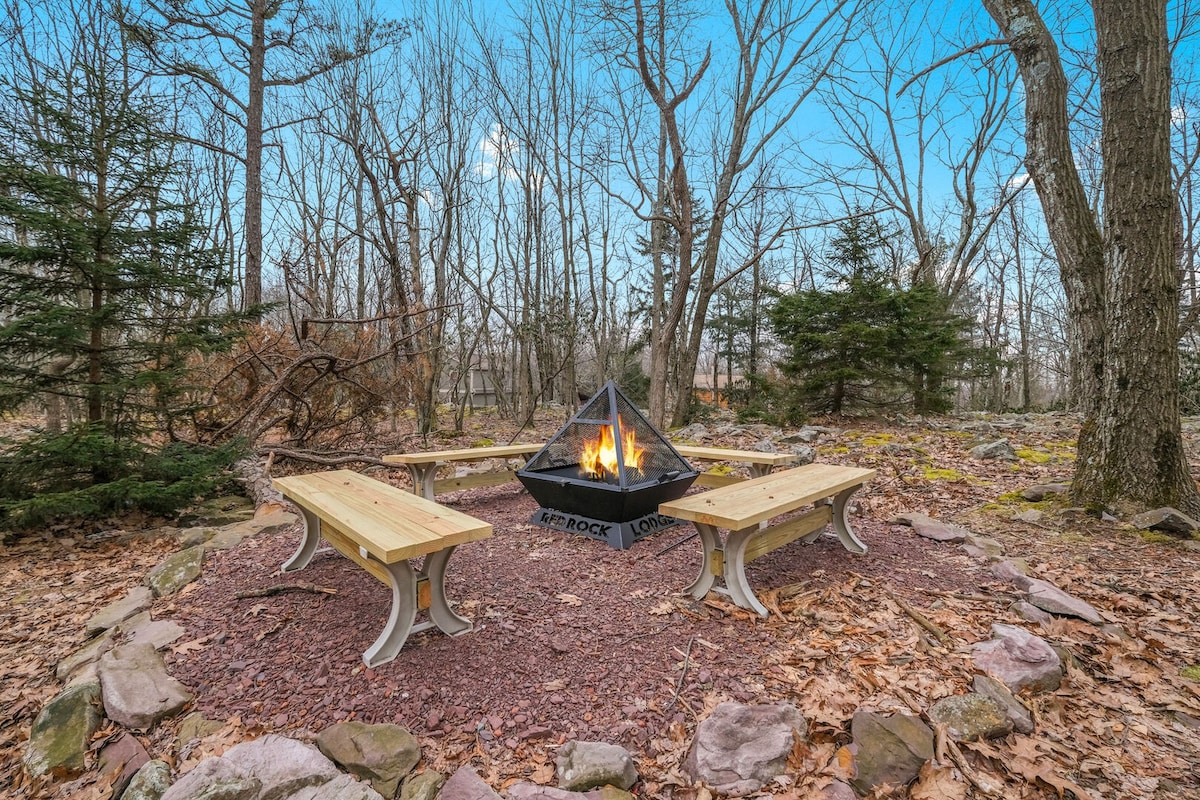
{"type": "Point", "coordinates": [103, 289]}
{"type": "Point", "coordinates": [866, 342]}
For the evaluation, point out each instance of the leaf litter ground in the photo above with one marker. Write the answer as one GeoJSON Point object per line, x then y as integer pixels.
{"type": "Point", "coordinates": [575, 640]}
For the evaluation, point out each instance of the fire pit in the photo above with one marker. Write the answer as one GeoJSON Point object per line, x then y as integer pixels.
{"type": "Point", "coordinates": [604, 474]}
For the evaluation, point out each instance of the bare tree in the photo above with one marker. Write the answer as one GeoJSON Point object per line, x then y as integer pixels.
{"type": "Point", "coordinates": [1121, 279]}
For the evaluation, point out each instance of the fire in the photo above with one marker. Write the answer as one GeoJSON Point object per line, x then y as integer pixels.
{"type": "Point", "coordinates": [599, 457]}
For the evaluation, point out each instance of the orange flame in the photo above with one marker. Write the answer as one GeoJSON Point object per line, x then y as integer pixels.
{"type": "Point", "coordinates": [599, 457]}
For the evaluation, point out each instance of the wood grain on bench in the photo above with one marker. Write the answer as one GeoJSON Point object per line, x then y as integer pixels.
{"type": "Point", "coordinates": [423, 467]}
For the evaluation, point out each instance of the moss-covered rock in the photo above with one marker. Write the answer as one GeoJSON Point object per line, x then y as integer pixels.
{"type": "Point", "coordinates": [58, 742]}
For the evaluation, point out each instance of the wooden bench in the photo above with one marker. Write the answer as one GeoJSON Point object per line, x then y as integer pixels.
{"type": "Point", "coordinates": [740, 508]}
{"type": "Point", "coordinates": [423, 467]}
{"type": "Point", "coordinates": [380, 528]}
{"type": "Point", "coordinates": [760, 463]}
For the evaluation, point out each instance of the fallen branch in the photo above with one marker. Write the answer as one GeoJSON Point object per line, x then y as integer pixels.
{"type": "Point", "coordinates": [327, 459]}
{"type": "Point", "coordinates": [687, 661]}
{"type": "Point", "coordinates": [919, 618]}
{"type": "Point", "coordinates": [283, 588]}
{"type": "Point", "coordinates": [985, 784]}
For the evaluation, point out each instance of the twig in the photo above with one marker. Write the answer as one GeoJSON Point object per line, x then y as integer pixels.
{"type": "Point", "coordinates": [326, 459]}
{"type": "Point", "coordinates": [983, 783]}
{"type": "Point", "coordinates": [942, 637]}
{"type": "Point", "coordinates": [687, 661]}
{"type": "Point", "coordinates": [281, 588]}
{"type": "Point", "coordinates": [671, 547]}
{"type": "Point", "coordinates": [629, 639]}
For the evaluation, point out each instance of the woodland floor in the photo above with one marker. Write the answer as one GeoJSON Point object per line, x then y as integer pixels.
{"type": "Point", "coordinates": [575, 640]}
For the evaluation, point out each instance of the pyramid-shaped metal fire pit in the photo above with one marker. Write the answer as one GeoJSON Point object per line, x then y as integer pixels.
{"type": "Point", "coordinates": [604, 474]}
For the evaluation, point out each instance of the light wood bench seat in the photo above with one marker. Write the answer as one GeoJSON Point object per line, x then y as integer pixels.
{"type": "Point", "coordinates": [423, 467]}
{"type": "Point", "coordinates": [742, 509]}
{"type": "Point", "coordinates": [380, 528]}
{"type": "Point", "coordinates": [760, 463]}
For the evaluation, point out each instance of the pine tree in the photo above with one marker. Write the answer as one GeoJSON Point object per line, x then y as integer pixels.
{"type": "Point", "coordinates": [103, 287]}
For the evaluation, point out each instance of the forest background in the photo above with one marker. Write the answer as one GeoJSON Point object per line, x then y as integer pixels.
{"type": "Point", "coordinates": [276, 223]}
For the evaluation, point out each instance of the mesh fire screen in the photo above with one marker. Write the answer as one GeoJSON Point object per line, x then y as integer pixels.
{"type": "Point", "coordinates": [608, 464]}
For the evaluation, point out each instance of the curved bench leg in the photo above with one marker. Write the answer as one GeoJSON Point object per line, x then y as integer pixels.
{"type": "Point", "coordinates": [422, 478]}
{"type": "Point", "coordinates": [439, 609]}
{"type": "Point", "coordinates": [812, 537]}
{"type": "Point", "coordinates": [308, 545]}
{"type": "Point", "coordinates": [841, 522]}
{"type": "Point", "coordinates": [400, 621]}
{"type": "Point", "coordinates": [735, 571]}
{"type": "Point", "coordinates": [710, 539]}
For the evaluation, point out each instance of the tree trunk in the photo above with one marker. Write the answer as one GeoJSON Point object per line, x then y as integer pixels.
{"type": "Point", "coordinates": [1136, 455]}
{"type": "Point", "coordinates": [252, 219]}
{"type": "Point", "coordinates": [1122, 290]}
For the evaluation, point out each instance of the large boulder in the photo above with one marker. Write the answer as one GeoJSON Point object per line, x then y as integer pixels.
{"type": "Point", "coordinates": [1019, 659]}
{"type": "Point", "coordinates": [88, 654]}
{"type": "Point", "coordinates": [739, 748]}
{"type": "Point", "coordinates": [1166, 519]}
{"type": "Point", "coordinates": [136, 688]}
{"type": "Point", "coordinates": [121, 759]}
{"type": "Point", "coordinates": [176, 571]}
{"type": "Point", "coordinates": [888, 748]}
{"type": "Point", "coordinates": [282, 766]}
{"type": "Point", "coordinates": [343, 787]}
{"type": "Point", "coordinates": [62, 732]}
{"type": "Point", "coordinates": [585, 765]}
{"type": "Point", "coordinates": [215, 779]}
{"type": "Point", "coordinates": [423, 786]}
{"type": "Point", "coordinates": [1014, 709]}
{"type": "Point", "coordinates": [379, 754]}
{"type": "Point", "coordinates": [998, 450]}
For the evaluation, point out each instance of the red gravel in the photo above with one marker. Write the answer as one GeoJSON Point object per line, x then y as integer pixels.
{"type": "Point", "coordinates": [571, 637]}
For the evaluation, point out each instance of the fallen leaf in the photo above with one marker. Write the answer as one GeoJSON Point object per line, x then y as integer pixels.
{"type": "Point", "coordinates": [937, 783]}
{"type": "Point", "coordinates": [183, 648]}
{"type": "Point", "coordinates": [568, 599]}
{"type": "Point", "coordinates": [663, 608]}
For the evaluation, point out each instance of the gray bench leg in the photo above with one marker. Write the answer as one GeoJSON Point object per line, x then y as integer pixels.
{"type": "Point", "coordinates": [422, 478]}
{"type": "Point", "coordinates": [735, 570]}
{"type": "Point", "coordinates": [400, 621]}
{"type": "Point", "coordinates": [711, 540]}
{"type": "Point", "coordinates": [439, 609]}
{"type": "Point", "coordinates": [308, 545]}
{"type": "Point", "coordinates": [841, 522]}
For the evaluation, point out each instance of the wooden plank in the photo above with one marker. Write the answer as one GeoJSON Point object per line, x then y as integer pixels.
{"type": "Point", "coordinates": [777, 536]}
{"type": "Point", "coordinates": [465, 454]}
{"type": "Point", "coordinates": [747, 503]}
{"type": "Point", "coordinates": [474, 481]}
{"type": "Point", "coordinates": [349, 548]}
{"type": "Point", "coordinates": [391, 523]}
{"type": "Point", "coordinates": [727, 454]}
{"type": "Point", "coordinates": [714, 480]}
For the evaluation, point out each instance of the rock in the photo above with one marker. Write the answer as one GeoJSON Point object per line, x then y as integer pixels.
{"type": "Point", "coordinates": [693, 433]}
{"type": "Point", "coordinates": [1029, 515]}
{"type": "Point", "coordinates": [423, 786]}
{"type": "Point", "coordinates": [1167, 519]}
{"type": "Point", "coordinates": [121, 759]}
{"type": "Point", "coordinates": [739, 748]}
{"type": "Point", "coordinates": [1010, 571]}
{"type": "Point", "coordinates": [969, 717]}
{"type": "Point", "coordinates": [176, 571]}
{"type": "Point", "coordinates": [190, 537]}
{"type": "Point", "coordinates": [215, 779]}
{"type": "Point", "coordinates": [1014, 709]}
{"type": "Point", "coordinates": [136, 688]}
{"type": "Point", "coordinates": [219, 511]}
{"type": "Point", "coordinates": [195, 726]}
{"type": "Point", "coordinates": [465, 784]}
{"type": "Point", "coordinates": [62, 732]}
{"type": "Point", "coordinates": [1019, 660]}
{"type": "Point", "coordinates": [379, 754]}
{"type": "Point", "coordinates": [939, 531]}
{"type": "Point", "coordinates": [225, 539]}
{"type": "Point", "coordinates": [88, 654]}
{"type": "Point", "coordinates": [888, 749]}
{"type": "Point", "coordinates": [838, 791]}
{"type": "Point", "coordinates": [1049, 597]}
{"type": "Point", "coordinates": [803, 436]}
{"type": "Point", "coordinates": [999, 449]}
{"type": "Point", "coordinates": [1038, 493]}
{"type": "Point", "coordinates": [531, 791]}
{"type": "Point", "coordinates": [150, 783]}
{"type": "Point", "coordinates": [343, 787]}
{"type": "Point", "coordinates": [585, 765]}
{"type": "Point", "coordinates": [765, 446]}
{"type": "Point", "coordinates": [282, 766]}
{"type": "Point", "coordinates": [989, 546]}
{"type": "Point", "coordinates": [1029, 612]}
{"type": "Point", "coordinates": [135, 601]}
{"type": "Point", "coordinates": [158, 633]}
{"type": "Point", "coordinates": [804, 455]}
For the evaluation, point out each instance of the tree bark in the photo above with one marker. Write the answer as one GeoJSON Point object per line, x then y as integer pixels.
{"type": "Point", "coordinates": [1123, 287]}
